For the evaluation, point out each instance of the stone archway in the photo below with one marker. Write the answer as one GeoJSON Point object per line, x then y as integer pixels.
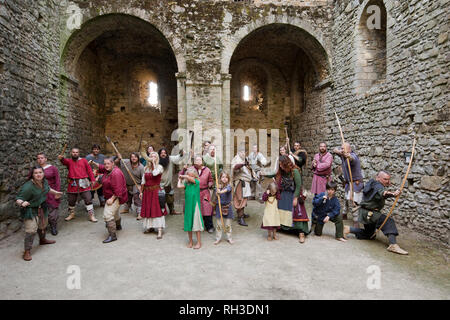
{"type": "Point", "coordinates": [108, 66]}
{"type": "Point", "coordinates": [298, 70]}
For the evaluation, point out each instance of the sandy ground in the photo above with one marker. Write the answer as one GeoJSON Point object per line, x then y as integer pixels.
{"type": "Point", "coordinates": [138, 266]}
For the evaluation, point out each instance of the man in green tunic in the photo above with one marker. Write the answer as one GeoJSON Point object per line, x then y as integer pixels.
{"type": "Point", "coordinates": [33, 208]}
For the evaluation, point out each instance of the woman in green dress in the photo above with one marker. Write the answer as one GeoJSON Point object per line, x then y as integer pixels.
{"type": "Point", "coordinates": [193, 221]}
{"type": "Point", "coordinates": [33, 208]}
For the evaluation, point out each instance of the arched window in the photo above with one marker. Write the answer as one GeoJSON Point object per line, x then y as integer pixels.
{"type": "Point", "coordinates": [153, 99]}
{"type": "Point", "coordinates": [246, 93]}
{"type": "Point", "coordinates": [370, 64]}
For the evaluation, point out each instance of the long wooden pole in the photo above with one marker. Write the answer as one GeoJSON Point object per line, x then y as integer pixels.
{"type": "Point", "coordinates": [401, 189]}
{"type": "Point", "coordinates": [287, 136]}
{"type": "Point", "coordinates": [63, 150]}
{"type": "Point", "coordinates": [217, 189]}
{"type": "Point", "coordinates": [123, 162]}
{"type": "Point", "coordinates": [348, 161]}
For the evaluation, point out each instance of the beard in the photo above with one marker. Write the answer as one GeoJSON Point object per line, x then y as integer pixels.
{"type": "Point", "coordinates": [164, 161]}
{"type": "Point", "coordinates": [75, 158]}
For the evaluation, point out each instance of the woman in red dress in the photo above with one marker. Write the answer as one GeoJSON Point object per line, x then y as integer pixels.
{"type": "Point", "coordinates": [150, 186]}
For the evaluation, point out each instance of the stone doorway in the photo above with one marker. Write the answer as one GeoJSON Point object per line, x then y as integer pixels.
{"type": "Point", "coordinates": [277, 71]}
{"type": "Point", "coordinates": [120, 79]}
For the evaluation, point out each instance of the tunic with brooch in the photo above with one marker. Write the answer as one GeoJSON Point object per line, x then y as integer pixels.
{"type": "Point", "coordinates": [193, 220]}
{"type": "Point", "coordinates": [271, 218]}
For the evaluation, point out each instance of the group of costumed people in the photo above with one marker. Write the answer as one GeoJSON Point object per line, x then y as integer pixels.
{"type": "Point", "coordinates": [143, 183]}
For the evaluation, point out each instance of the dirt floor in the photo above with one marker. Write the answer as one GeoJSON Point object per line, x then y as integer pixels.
{"type": "Point", "coordinates": [138, 266]}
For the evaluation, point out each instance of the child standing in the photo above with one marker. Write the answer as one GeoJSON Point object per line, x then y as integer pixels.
{"type": "Point", "coordinates": [327, 208]}
{"type": "Point", "coordinates": [193, 221]}
{"type": "Point", "coordinates": [271, 218]}
{"type": "Point", "coordinates": [225, 194]}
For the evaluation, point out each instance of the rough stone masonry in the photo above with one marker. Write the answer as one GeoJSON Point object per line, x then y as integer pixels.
{"type": "Point", "coordinates": [75, 71]}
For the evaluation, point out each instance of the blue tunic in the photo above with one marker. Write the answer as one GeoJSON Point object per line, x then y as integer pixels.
{"type": "Point", "coordinates": [225, 199]}
{"type": "Point", "coordinates": [330, 207]}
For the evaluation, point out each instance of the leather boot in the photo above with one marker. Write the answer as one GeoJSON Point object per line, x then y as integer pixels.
{"type": "Point", "coordinates": [42, 239]}
{"type": "Point", "coordinates": [71, 214]}
{"type": "Point", "coordinates": [111, 226]}
{"type": "Point", "coordinates": [53, 229]}
{"type": "Point", "coordinates": [92, 216]}
{"type": "Point", "coordinates": [313, 226]}
{"type": "Point", "coordinates": [28, 244]}
{"type": "Point", "coordinates": [242, 222]}
{"type": "Point", "coordinates": [119, 224]}
{"type": "Point", "coordinates": [27, 255]}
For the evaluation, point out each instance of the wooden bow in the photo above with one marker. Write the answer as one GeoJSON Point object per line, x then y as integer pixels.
{"type": "Point", "coordinates": [63, 150]}
{"type": "Point", "coordinates": [401, 189]}
{"type": "Point", "coordinates": [348, 161]}
{"type": "Point", "coordinates": [123, 162]}
{"type": "Point", "coordinates": [217, 189]}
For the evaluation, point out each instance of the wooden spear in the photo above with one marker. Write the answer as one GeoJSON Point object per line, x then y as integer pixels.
{"type": "Point", "coordinates": [401, 189]}
{"type": "Point", "coordinates": [63, 150]}
{"type": "Point", "coordinates": [217, 189]}
{"type": "Point", "coordinates": [123, 162]}
{"type": "Point", "coordinates": [348, 161]}
{"type": "Point", "coordinates": [287, 136]}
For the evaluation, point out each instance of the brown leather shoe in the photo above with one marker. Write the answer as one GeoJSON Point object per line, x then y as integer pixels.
{"type": "Point", "coordinates": [92, 216]}
{"type": "Point", "coordinates": [46, 241]}
{"type": "Point", "coordinates": [27, 255]}
{"type": "Point", "coordinates": [42, 239]}
{"type": "Point", "coordinates": [396, 249]}
{"type": "Point", "coordinates": [70, 216]}
{"type": "Point", "coordinates": [301, 237]}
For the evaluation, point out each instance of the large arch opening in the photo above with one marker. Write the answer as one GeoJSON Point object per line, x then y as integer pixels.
{"type": "Point", "coordinates": [120, 82]}
{"type": "Point", "coordinates": [282, 69]}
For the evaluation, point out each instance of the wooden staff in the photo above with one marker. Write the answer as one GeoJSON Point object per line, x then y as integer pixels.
{"type": "Point", "coordinates": [63, 150]}
{"type": "Point", "coordinates": [287, 136]}
{"type": "Point", "coordinates": [217, 189]}
{"type": "Point", "coordinates": [401, 189]}
{"type": "Point", "coordinates": [348, 161]}
{"type": "Point", "coordinates": [123, 162]}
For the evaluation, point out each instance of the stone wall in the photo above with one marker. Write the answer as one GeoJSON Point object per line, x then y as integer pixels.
{"type": "Point", "coordinates": [29, 96]}
{"type": "Point", "coordinates": [412, 101]}
{"type": "Point", "coordinates": [81, 74]}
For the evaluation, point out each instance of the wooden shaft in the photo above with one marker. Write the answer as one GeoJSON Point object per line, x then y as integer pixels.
{"type": "Point", "coordinates": [348, 161]}
{"type": "Point", "coordinates": [64, 150]}
{"type": "Point", "coordinates": [218, 196]}
{"type": "Point", "coordinates": [123, 163]}
{"type": "Point", "coordinates": [289, 144]}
